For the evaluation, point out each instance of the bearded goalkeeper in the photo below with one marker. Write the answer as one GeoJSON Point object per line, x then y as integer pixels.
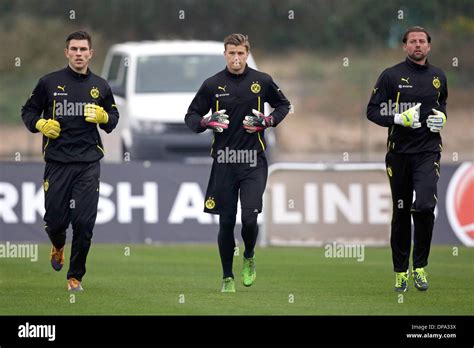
{"type": "Point", "coordinates": [418, 92]}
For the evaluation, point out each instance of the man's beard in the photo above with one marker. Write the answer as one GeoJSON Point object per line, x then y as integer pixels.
{"type": "Point", "coordinates": [417, 58]}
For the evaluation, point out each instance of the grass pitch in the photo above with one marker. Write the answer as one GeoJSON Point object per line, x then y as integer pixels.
{"type": "Point", "coordinates": [184, 280]}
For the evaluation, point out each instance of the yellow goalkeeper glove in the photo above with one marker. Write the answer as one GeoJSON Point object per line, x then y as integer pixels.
{"type": "Point", "coordinates": [409, 118]}
{"type": "Point", "coordinates": [95, 114]}
{"type": "Point", "coordinates": [50, 128]}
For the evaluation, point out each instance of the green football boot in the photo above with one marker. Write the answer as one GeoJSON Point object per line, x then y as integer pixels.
{"type": "Point", "coordinates": [228, 285]}
{"type": "Point", "coordinates": [401, 281]}
{"type": "Point", "coordinates": [248, 272]}
{"type": "Point", "coordinates": [419, 277]}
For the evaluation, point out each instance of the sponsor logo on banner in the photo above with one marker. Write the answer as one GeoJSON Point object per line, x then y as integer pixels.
{"type": "Point", "coordinates": [460, 203]}
{"type": "Point", "coordinates": [117, 203]}
{"type": "Point", "coordinates": [314, 205]}
{"type": "Point", "coordinates": [319, 205]}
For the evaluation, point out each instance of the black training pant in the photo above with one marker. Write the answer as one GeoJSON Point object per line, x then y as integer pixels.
{"type": "Point", "coordinates": [72, 196]}
{"type": "Point", "coordinates": [407, 173]}
{"type": "Point", "coordinates": [228, 182]}
{"type": "Point", "coordinates": [226, 241]}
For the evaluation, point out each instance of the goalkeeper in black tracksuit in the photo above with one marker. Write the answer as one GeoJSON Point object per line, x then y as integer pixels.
{"type": "Point", "coordinates": [66, 106]}
{"type": "Point", "coordinates": [236, 96]}
{"type": "Point", "coordinates": [410, 99]}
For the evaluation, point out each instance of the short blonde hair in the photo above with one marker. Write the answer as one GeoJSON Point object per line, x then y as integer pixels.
{"type": "Point", "coordinates": [237, 40]}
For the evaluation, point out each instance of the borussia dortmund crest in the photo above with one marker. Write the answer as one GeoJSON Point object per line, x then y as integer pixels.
{"type": "Point", "coordinates": [46, 185]}
{"type": "Point", "coordinates": [255, 88]}
{"type": "Point", "coordinates": [95, 92]}
{"type": "Point", "coordinates": [436, 82]}
{"type": "Point", "coordinates": [210, 203]}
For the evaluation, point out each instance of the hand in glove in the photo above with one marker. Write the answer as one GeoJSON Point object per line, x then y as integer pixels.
{"type": "Point", "coordinates": [409, 118]}
{"type": "Point", "coordinates": [257, 122]}
{"type": "Point", "coordinates": [95, 114]}
{"type": "Point", "coordinates": [50, 128]}
{"type": "Point", "coordinates": [218, 121]}
{"type": "Point", "coordinates": [437, 121]}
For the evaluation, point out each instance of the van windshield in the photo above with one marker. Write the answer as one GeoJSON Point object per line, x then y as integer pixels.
{"type": "Point", "coordinates": [175, 73]}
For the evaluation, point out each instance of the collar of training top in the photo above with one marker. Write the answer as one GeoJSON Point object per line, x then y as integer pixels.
{"type": "Point", "coordinates": [417, 67]}
{"type": "Point", "coordinates": [228, 73]}
{"type": "Point", "coordinates": [77, 75]}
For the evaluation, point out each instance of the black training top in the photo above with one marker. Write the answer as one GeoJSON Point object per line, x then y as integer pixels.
{"type": "Point", "coordinates": [401, 87]}
{"type": "Point", "coordinates": [61, 95]}
{"type": "Point", "coordinates": [238, 95]}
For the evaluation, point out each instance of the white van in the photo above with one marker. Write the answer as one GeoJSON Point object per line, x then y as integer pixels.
{"type": "Point", "coordinates": [153, 84]}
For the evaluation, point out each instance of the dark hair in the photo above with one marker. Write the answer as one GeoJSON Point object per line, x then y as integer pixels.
{"type": "Point", "coordinates": [237, 40]}
{"type": "Point", "coordinates": [414, 29]}
{"type": "Point", "coordinates": [79, 35]}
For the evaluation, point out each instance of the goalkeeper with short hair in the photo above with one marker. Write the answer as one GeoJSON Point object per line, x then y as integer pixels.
{"type": "Point", "coordinates": [72, 149]}
{"type": "Point", "coordinates": [413, 150]}
{"type": "Point", "coordinates": [236, 96]}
